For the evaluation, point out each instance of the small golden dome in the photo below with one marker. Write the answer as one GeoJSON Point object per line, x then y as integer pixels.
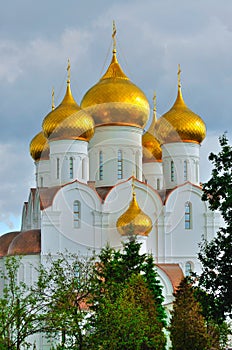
{"type": "Point", "coordinates": [39, 147]}
{"type": "Point", "coordinates": [68, 121]}
{"type": "Point", "coordinates": [180, 124]}
{"type": "Point", "coordinates": [116, 100]}
{"type": "Point", "coordinates": [134, 221]}
{"type": "Point", "coordinates": [151, 147]}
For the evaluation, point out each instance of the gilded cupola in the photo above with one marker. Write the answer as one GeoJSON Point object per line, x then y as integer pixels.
{"type": "Point", "coordinates": [151, 147]}
{"type": "Point", "coordinates": [134, 221]}
{"type": "Point", "coordinates": [115, 100]}
{"type": "Point", "coordinates": [39, 147]}
{"type": "Point", "coordinates": [180, 124]}
{"type": "Point", "coordinates": [68, 120]}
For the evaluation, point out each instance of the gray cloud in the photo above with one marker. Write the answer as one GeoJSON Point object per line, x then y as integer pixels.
{"type": "Point", "coordinates": [36, 39]}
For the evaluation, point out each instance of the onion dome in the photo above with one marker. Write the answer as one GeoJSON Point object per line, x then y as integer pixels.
{"type": "Point", "coordinates": [115, 100]}
{"type": "Point", "coordinates": [27, 242]}
{"type": "Point", "coordinates": [151, 147]}
{"type": "Point", "coordinates": [5, 241]}
{"type": "Point", "coordinates": [180, 124]}
{"type": "Point", "coordinates": [39, 147]}
{"type": "Point", "coordinates": [134, 221]}
{"type": "Point", "coordinates": [68, 120]}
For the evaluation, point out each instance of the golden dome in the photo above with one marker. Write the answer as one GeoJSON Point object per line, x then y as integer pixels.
{"type": "Point", "coordinates": [134, 221]}
{"type": "Point", "coordinates": [116, 100]}
{"type": "Point", "coordinates": [151, 147]}
{"type": "Point", "coordinates": [39, 147]}
{"type": "Point", "coordinates": [68, 120]}
{"type": "Point", "coordinates": [180, 124]}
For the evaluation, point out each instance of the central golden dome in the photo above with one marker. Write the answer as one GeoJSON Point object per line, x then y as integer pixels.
{"type": "Point", "coordinates": [134, 221]}
{"type": "Point", "coordinates": [116, 100]}
{"type": "Point", "coordinates": [180, 124]}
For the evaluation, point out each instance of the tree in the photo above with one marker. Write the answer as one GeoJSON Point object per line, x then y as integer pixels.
{"type": "Point", "coordinates": [116, 267]}
{"type": "Point", "coordinates": [65, 282]}
{"type": "Point", "coordinates": [130, 321]}
{"type": "Point", "coordinates": [20, 308]}
{"type": "Point", "coordinates": [216, 255]}
{"type": "Point", "coordinates": [187, 328]}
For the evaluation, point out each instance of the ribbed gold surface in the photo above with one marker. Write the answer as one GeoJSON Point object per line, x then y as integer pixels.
{"type": "Point", "coordinates": [39, 147]}
{"type": "Point", "coordinates": [134, 221]}
{"type": "Point", "coordinates": [151, 147]}
{"type": "Point", "coordinates": [180, 124]}
{"type": "Point", "coordinates": [68, 121]}
{"type": "Point", "coordinates": [115, 99]}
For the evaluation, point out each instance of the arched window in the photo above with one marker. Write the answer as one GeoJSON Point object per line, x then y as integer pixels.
{"type": "Point", "coordinates": [57, 168]}
{"type": "Point", "coordinates": [83, 169]}
{"type": "Point", "coordinates": [71, 167]}
{"type": "Point", "coordinates": [197, 171]}
{"type": "Point", "coordinates": [137, 170]}
{"type": "Point", "coordinates": [172, 171]}
{"type": "Point", "coordinates": [188, 216]}
{"type": "Point", "coordinates": [76, 213]}
{"type": "Point", "coordinates": [120, 175]}
{"type": "Point", "coordinates": [185, 170]}
{"type": "Point", "coordinates": [188, 268]}
{"type": "Point", "coordinates": [158, 184]}
{"type": "Point", "coordinates": [100, 165]}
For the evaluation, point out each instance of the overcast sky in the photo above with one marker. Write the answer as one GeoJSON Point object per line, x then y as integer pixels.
{"type": "Point", "coordinates": [153, 36]}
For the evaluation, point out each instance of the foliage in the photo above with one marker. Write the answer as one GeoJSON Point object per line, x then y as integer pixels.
{"type": "Point", "coordinates": [216, 255]}
{"type": "Point", "coordinates": [129, 321]}
{"type": "Point", "coordinates": [116, 267]}
{"type": "Point", "coordinates": [20, 308]}
{"type": "Point", "coordinates": [187, 329]}
{"type": "Point", "coordinates": [65, 283]}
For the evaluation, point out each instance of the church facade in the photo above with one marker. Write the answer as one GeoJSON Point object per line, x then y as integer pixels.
{"type": "Point", "coordinates": [101, 177]}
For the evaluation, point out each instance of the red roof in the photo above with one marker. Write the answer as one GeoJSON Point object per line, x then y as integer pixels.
{"type": "Point", "coordinates": [5, 241]}
{"type": "Point", "coordinates": [26, 242]}
{"type": "Point", "coordinates": [174, 273]}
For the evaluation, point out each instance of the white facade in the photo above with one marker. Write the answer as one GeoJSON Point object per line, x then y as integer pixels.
{"type": "Point", "coordinates": [84, 187]}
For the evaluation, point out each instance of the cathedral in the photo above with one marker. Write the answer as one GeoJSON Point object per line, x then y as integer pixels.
{"type": "Point", "coordinates": [102, 174]}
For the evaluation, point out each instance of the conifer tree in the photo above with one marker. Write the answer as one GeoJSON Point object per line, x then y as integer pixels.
{"type": "Point", "coordinates": [130, 321]}
{"type": "Point", "coordinates": [216, 255]}
{"type": "Point", "coordinates": [116, 267]}
{"type": "Point", "coordinates": [187, 329]}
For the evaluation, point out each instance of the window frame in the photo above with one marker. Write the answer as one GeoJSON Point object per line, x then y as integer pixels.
{"type": "Point", "coordinates": [76, 214]}
{"type": "Point", "coordinates": [188, 215]}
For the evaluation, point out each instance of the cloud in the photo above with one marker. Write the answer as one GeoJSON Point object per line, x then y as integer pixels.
{"type": "Point", "coordinates": [16, 177]}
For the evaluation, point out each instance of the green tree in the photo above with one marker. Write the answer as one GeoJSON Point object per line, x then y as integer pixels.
{"type": "Point", "coordinates": [187, 328]}
{"type": "Point", "coordinates": [116, 267]}
{"type": "Point", "coordinates": [130, 321]}
{"type": "Point", "coordinates": [20, 308]}
{"type": "Point", "coordinates": [65, 282]}
{"type": "Point", "coordinates": [216, 255]}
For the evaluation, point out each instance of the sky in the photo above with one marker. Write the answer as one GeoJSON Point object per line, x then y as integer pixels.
{"type": "Point", "coordinates": [153, 36]}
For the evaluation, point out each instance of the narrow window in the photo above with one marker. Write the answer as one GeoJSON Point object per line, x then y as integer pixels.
{"type": "Point", "coordinates": [120, 175]}
{"type": "Point", "coordinates": [41, 181]}
{"type": "Point", "coordinates": [100, 165]}
{"type": "Point", "coordinates": [76, 213]}
{"type": "Point", "coordinates": [83, 168]}
{"type": "Point", "coordinates": [197, 171]}
{"type": "Point", "coordinates": [158, 184]}
{"type": "Point", "coordinates": [172, 171]}
{"type": "Point", "coordinates": [71, 167]}
{"type": "Point", "coordinates": [187, 216]}
{"type": "Point", "coordinates": [188, 268]}
{"type": "Point", "coordinates": [58, 168]}
{"type": "Point", "coordinates": [185, 171]}
{"type": "Point", "coordinates": [137, 170]}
